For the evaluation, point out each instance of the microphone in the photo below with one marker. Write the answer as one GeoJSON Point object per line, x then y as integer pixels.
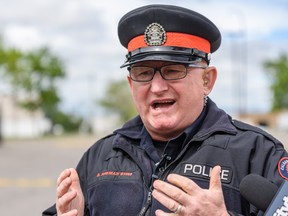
{"type": "Point", "coordinates": [266, 196]}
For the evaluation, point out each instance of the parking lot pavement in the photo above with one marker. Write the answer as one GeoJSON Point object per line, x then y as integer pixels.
{"type": "Point", "coordinates": [29, 169]}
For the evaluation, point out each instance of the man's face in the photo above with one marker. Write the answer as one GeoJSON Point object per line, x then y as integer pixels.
{"type": "Point", "coordinates": [167, 107]}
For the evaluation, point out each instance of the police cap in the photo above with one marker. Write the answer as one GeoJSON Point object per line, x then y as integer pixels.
{"type": "Point", "coordinates": [167, 33]}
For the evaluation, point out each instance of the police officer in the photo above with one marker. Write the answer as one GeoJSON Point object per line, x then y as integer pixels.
{"type": "Point", "coordinates": [182, 155]}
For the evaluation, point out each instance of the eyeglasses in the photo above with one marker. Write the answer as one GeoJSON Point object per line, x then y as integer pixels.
{"type": "Point", "coordinates": [168, 72]}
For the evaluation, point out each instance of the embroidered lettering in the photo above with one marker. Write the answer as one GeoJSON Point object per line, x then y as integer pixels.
{"type": "Point", "coordinates": [113, 173]}
{"type": "Point", "coordinates": [204, 171]}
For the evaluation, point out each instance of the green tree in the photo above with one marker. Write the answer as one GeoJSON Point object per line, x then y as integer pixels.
{"type": "Point", "coordinates": [118, 100]}
{"type": "Point", "coordinates": [278, 73]}
{"type": "Point", "coordinates": [34, 76]}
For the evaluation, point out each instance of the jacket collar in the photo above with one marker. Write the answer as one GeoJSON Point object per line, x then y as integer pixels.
{"type": "Point", "coordinates": [216, 120]}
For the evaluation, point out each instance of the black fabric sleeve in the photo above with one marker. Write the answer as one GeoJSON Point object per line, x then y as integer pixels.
{"type": "Point", "coordinates": [50, 211]}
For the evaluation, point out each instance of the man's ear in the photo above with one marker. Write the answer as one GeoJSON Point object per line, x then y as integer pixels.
{"type": "Point", "coordinates": [209, 79]}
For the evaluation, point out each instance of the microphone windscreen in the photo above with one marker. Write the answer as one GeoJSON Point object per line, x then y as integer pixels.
{"type": "Point", "coordinates": [258, 190]}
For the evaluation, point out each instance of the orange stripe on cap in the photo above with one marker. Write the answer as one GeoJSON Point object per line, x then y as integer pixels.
{"type": "Point", "coordinates": [174, 39]}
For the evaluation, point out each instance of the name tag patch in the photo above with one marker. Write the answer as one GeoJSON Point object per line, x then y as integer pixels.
{"type": "Point", "coordinates": [204, 171]}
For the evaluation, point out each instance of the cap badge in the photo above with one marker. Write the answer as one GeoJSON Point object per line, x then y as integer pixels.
{"type": "Point", "coordinates": [155, 35]}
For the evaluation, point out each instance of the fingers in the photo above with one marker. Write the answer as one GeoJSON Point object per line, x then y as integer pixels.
{"type": "Point", "coordinates": [165, 200]}
{"type": "Point", "coordinates": [74, 175]}
{"type": "Point", "coordinates": [182, 191]}
{"type": "Point", "coordinates": [64, 202]}
{"type": "Point", "coordinates": [64, 174]}
{"type": "Point", "coordinates": [73, 212]}
{"type": "Point", "coordinates": [66, 193]}
{"type": "Point", "coordinates": [170, 195]}
{"type": "Point", "coordinates": [215, 180]}
{"type": "Point", "coordinates": [159, 212]}
{"type": "Point", "coordinates": [184, 183]}
{"type": "Point", "coordinates": [191, 187]}
{"type": "Point", "coordinates": [64, 182]}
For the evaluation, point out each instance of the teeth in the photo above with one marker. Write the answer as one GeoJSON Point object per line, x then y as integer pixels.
{"type": "Point", "coordinates": [162, 102]}
{"type": "Point", "coordinates": [157, 104]}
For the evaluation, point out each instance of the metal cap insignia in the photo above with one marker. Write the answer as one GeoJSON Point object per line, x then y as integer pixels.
{"type": "Point", "coordinates": [155, 35]}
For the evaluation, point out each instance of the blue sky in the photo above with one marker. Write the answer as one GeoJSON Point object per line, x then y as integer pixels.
{"type": "Point", "coordinates": [84, 34]}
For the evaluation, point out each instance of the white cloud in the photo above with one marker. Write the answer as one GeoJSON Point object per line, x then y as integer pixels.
{"type": "Point", "coordinates": [26, 37]}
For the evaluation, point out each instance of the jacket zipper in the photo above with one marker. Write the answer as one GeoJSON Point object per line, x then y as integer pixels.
{"type": "Point", "coordinates": [160, 175]}
{"type": "Point", "coordinates": [145, 181]}
{"type": "Point", "coordinates": [147, 204]}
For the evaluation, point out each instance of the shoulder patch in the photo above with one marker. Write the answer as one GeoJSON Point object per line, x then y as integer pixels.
{"type": "Point", "coordinates": [283, 167]}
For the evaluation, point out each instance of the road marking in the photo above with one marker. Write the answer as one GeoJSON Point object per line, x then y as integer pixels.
{"type": "Point", "coordinates": [27, 182]}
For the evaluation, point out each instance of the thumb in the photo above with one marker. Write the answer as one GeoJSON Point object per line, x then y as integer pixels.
{"type": "Point", "coordinates": [74, 175]}
{"type": "Point", "coordinates": [215, 180]}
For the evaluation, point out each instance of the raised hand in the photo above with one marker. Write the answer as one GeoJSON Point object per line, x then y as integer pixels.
{"type": "Point", "coordinates": [70, 199]}
{"type": "Point", "coordinates": [184, 197]}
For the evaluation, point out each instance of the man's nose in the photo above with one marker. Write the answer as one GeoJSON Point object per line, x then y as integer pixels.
{"type": "Point", "coordinates": [158, 84]}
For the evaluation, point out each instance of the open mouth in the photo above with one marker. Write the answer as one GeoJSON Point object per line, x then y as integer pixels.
{"type": "Point", "coordinates": [163, 104]}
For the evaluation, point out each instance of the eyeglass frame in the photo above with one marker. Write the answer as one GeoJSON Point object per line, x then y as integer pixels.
{"type": "Point", "coordinates": [160, 71]}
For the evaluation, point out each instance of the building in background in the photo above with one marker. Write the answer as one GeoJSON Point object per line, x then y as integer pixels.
{"type": "Point", "coordinates": [276, 121]}
{"type": "Point", "coordinates": [17, 122]}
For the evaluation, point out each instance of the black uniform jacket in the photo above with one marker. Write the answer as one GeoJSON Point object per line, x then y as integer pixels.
{"type": "Point", "coordinates": [116, 173]}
